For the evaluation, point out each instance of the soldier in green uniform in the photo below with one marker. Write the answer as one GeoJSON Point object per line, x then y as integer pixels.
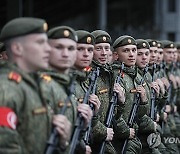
{"type": "Point", "coordinates": [170, 127]}
{"type": "Point", "coordinates": [3, 55]}
{"type": "Point", "coordinates": [63, 42]}
{"type": "Point", "coordinates": [100, 132]}
{"type": "Point", "coordinates": [125, 48]}
{"type": "Point", "coordinates": [26, 120]}
{"type": "Point", "coordinates": [85, 51]}
{"type": "Point", "coordinates": [143, 56]}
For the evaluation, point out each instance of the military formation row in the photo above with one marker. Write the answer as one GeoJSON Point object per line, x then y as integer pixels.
{"type": "Point", "coordinates": [71, 92]}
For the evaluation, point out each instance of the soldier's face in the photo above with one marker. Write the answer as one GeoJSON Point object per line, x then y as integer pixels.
{"type": "Point", "coordinates": [84, 55]}
{"type": "Point", "coordinates": [178, 55]}
{"type": "Point", "coordinates": [100, 52]}
{"type": "Point", "coordinates": [127, 54]}
{"type": "Point", "coordinates": [175, 56]}
{"type": "Point", "coordinates": [143, 56]}
{"type": "Point", "coordinates": [109, 57]}
{"type": "Point", "coordinates": [35, 51]}
{"type": "Point", "coordinates": [168, 55]}
{"type": "Point", "coordinates": [153, 55]}
{"type": "Point", "coordinates": [160, 55]}
{"type": "Point", "coordinates": [63, 53]}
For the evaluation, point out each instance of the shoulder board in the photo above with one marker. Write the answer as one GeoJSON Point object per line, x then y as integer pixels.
{"type": "Point", "coordinates": [46, 77]}
{"type": "Point", "coordinates": [15, 77]}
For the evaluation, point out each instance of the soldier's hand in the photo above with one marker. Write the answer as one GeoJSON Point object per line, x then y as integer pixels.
{"type": "Point", "coordinates": [86, 112]}
{"type": "Point", "coordinates": [110, 134]}
{"type": "Point", "coordinates": [132, 133]}
{"type": "Point", "coordinates": [96, 102]}
{"type": "Point", "coordinates": [155, 86]}
{"type": "Point", "coordinates": [63, 126]}
{"type": "Point", "coordinates": [157, 117]}
{"type": "Point", "coordinates": [120, 91]}
{"type": "Point", "coordinates": [173, 79]}
{"type": "Point", "coordinates": [178, 81]}
{"type": "Point", "coordinates": [161, 85]}
{"type": "Point", "coordinates": [155, 125]}
{"type": "Point", "coordinates": [88, 149]}
{"type": "Point", "coordinates": [175, 108]}
{"type": "Point", "coordinates": [165, 116]}
{"type": "Point", "coordinates": [142, 91]}
{"type": "Point", "coordinates": [168, 108]}
{"type": "Point", "coordinates": [165, 82]}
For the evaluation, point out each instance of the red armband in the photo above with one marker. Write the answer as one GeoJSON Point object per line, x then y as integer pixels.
{"type": "Point", "coordinates": [8, 118]}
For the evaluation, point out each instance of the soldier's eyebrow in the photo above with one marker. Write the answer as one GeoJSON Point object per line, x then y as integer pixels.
{"type": "Point", "coordinates": [82, 48]}
{"type": "Point", "coordinates": [71, 47]}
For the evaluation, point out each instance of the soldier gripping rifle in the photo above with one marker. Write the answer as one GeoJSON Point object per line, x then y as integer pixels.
{"type": "Point", "coordinates": [52, 144]}
{"type": "Point", "coordinates": [112, 105]}
{"type": "Point", "coordinates": [79, 121]}
{"type": "Point", "coordinates": [87, 134]}
{"type": "Point", "coordinates": [134, 110]}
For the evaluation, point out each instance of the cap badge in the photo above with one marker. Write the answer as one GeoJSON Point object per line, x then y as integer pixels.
{"type": "Point", "coordinates": [104, 38]}
{"type": "Point", "coordinates": [171, 45]}
{"type": "Point", "coordinates": [154, 43]}
{"type": "Point", "coordinates": [66, 33]}
{"type": "Point", "coordinates": [45, 26]}
{"type": "Point", "coordinates": [129, 41]}
{"type": "Point", "coordinates": [144, 44]}
{"type": "Point", "coordinates": [88, 39]}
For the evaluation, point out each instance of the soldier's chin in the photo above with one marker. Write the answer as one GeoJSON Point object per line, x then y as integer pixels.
{"type": "Point", "coordinates": [45, 66]}
{"type": "Point", "coordinates": [130, 64]}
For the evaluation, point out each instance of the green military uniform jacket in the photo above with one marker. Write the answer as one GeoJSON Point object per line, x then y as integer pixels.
{"type": "Point", "coordinates": [131, 79]}
{"type": "Point", "coordinates": [21, 93]}
{"type": "Point", "coordinates": [99, 130]}
{"type": "Point", "coordinates": [56, 85]}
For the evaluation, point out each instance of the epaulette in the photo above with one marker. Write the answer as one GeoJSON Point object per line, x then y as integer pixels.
{"type": "Point", "coordinates": [46, 77]}
{"type": "Point", "coordinates": [87, 69]}
{"type": "Point", "coordinates": [15, 77]}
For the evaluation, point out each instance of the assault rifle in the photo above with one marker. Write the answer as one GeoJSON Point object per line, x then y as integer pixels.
{"type": "Point", "coordinates": [87, 134]}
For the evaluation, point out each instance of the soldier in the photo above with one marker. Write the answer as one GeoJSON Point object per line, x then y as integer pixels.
{"type": "Point", "coordinates": [25, 118]}
{"type": "Point", "coordinates": [63, 42]}
{"type": "Point", "coordinates": [3, 55]}
{"type": "Point", "coordinates": [85, 51]}
{"type": "Point", "coordinates": [170, 127]}
{"type": "Point", "coordinates": [149, 126]}
{"type": "Point", "coordinates": [125, 47]}
{"type": "Point", "coordinates": [100, 132]}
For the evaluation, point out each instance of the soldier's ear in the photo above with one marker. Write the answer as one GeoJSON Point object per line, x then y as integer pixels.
{"type": "Point", "coordinates": [16, 48]}
{"type": "Point", "coordinates": [115, 55]}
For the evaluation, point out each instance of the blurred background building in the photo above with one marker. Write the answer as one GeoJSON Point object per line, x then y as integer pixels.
{"type": "Point", "coordinates": [158, 19]}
